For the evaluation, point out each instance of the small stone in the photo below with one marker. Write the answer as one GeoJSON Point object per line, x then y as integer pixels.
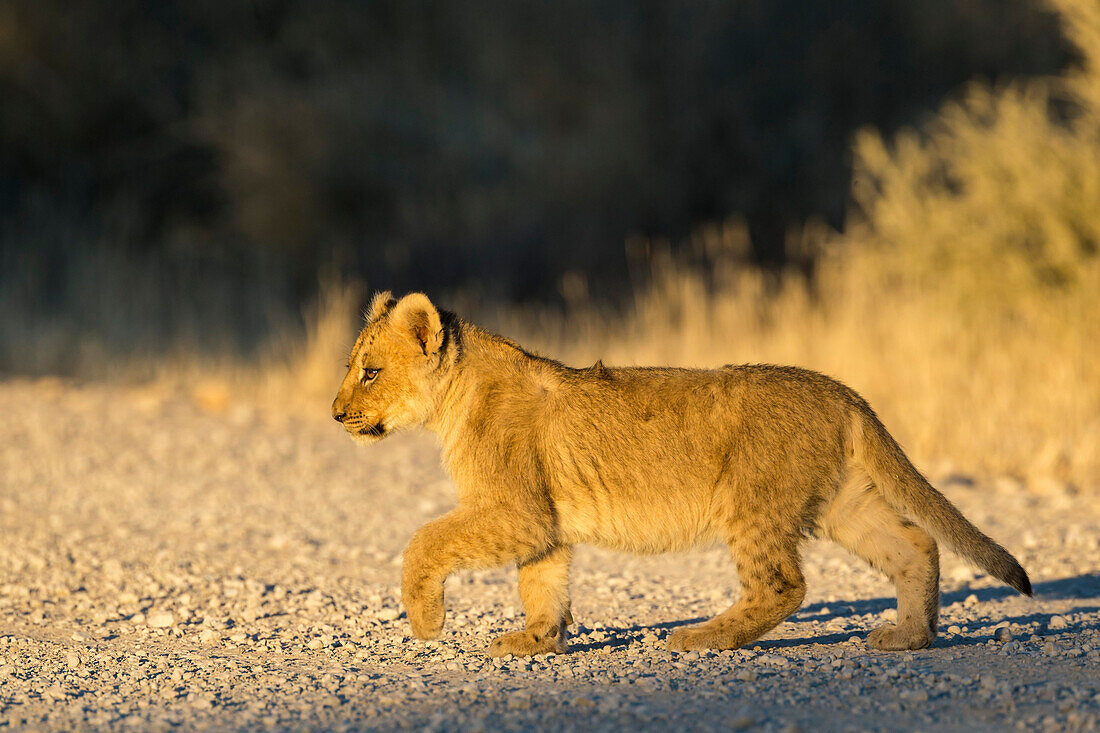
{"type": "Point", "coordinates": [160, 619]}
{"type": "Point", "coordinates": [971, 600]}
{"type": "Point", "coordinates": [209, 636]}
{"type": "Point", "coordinates": [953, 629]}
{"type": "Point", "coordinates": [388, 614]}
{"type": "Point", "coordinates": [1058, 622]}
{"type": "Point", "coordinates": [315, 643]}
{"type": "Point", "coordinates": [1003, 634]}
{"type": "Point", "coordinates": [961, 573]}
{"type": "Point", "coordinates": [72, 659]}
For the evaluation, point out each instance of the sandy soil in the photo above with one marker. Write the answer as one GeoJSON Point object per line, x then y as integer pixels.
{"type": "Point", "coordinates": [164, 567]}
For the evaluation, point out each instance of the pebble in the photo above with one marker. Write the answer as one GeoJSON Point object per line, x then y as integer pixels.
{"type": "Point", "coordinates": [160, 619]}
{"type": "Point", "coordinates": [1058, 622]}
{"type": "Point", "coordinates": [1003, 634]}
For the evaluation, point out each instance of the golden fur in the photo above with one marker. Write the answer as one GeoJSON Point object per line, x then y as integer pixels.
{"type": "Point", "coordinates": [546, 457]}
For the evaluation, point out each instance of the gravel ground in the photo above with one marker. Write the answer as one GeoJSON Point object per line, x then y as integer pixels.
{"type": "Point", "coordinates": [164, 567]}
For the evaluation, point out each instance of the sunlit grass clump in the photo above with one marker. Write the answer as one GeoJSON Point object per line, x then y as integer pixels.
{"type": "Point", "coordinates": [964, 299]}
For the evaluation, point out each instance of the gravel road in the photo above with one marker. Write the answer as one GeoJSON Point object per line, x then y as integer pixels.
{"type": "Point", "coordinates": [165, 567]}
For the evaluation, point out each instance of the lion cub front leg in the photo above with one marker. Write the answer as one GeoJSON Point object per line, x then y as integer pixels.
{"type": "Point", "coordinates": [544, 591]}
{"type": "Point", "coordinates": [465, 538]}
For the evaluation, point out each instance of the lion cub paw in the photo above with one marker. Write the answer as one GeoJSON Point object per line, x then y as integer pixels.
{"type": "Point", "coordinates": [425, 612]}
{"type": "Point", "coordinates": [890, 637]}
{"type": "Point", "coordinates": [699, 638]}
{"type": "Point", "coordinates": [527, 644]}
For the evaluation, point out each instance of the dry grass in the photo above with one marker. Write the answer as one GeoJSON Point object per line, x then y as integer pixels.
{"type": "Point", "coordinates": [962, 302]}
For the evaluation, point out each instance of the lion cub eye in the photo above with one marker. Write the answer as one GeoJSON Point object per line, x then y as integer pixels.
{"type": "Point", "coordinates": [369, 375]}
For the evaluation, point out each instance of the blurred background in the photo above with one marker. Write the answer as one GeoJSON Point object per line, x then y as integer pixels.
{"type": "Point", "coordinates": [905, 195]}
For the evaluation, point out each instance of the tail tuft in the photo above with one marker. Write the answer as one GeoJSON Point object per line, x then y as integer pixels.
{"type": "Point", "coordinates": [903, 487]}
{"type": "Point", "coordinates": [1018, 579]}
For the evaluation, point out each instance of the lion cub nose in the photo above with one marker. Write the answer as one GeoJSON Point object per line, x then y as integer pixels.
{"type": "Point", "coordinates": [339, 416]}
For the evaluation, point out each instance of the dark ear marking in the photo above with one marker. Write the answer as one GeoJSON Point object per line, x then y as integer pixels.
{"type": "Point", "coordinates": [422, 332]}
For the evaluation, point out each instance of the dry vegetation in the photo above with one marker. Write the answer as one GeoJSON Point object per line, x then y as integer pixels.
{"type": "Point", "coordinates": [962, 300]}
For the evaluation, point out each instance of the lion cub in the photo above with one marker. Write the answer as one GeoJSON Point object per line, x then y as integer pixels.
{"type": "Point", "coordinates": [648, 460]}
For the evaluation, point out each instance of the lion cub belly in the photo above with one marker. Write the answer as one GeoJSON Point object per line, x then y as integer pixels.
{"type": "Point", "coordinates": [634, 524]}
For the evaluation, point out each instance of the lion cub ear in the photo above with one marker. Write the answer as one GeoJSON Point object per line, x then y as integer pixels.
{"type": "Point", "coordinates": [380, 305]}
{"type": "Point", "coordinates": [417, 314]}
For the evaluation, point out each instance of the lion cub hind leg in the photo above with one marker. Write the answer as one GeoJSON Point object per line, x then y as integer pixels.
{"type": "Point", "coordinates": [544, 592]}
{"type": "Point", "coordinates": [772, 588]}
{"type": "Point", "coordinates": [862, 522]}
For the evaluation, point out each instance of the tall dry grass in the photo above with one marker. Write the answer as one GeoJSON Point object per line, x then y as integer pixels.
{"type": "Point", "coordinates": [963, 300]}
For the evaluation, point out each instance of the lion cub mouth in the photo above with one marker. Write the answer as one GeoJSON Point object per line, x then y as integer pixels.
{"type": "Point", "coordinates": [377, 430]}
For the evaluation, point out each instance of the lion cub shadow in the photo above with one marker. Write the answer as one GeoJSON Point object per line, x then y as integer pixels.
{"type": "Point", "coordinates": [617, 638]}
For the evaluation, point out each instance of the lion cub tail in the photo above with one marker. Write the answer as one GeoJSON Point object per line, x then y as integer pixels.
{"type": "Point", "coordinates": [908, 491]}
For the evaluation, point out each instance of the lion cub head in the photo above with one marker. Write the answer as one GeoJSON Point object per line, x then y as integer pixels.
{"type": "Point", "coordinates": [393, 368]}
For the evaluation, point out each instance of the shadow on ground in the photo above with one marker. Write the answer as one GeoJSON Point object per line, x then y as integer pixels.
{"type": "Point", "coordinates": [1080, 586]}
